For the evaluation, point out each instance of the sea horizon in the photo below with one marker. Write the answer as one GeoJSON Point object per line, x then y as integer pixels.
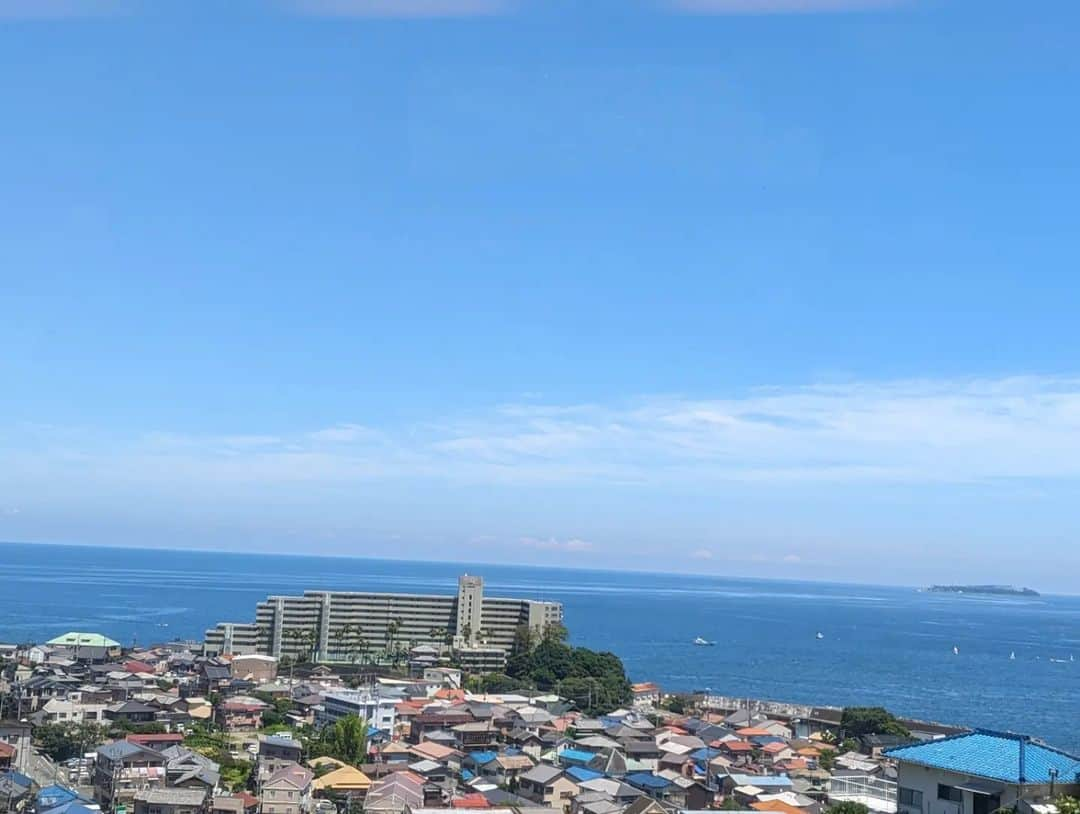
{"type": "Point", "coordinates": [885, 646]}
{"type": "Point", "coordinates": [489, 563]}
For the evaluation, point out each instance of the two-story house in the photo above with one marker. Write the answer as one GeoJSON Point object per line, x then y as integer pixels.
{"type": "Point", "coordinates": [287, 791]}
{"type": "Point", "coordinates": [123, 768]}
{"type": "Point", "coordinates": [548, 785]}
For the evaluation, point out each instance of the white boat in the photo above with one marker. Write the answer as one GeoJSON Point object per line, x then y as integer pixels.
{"type": "Point", "coordinates": [820, 635]}
{"type": "Point", "coordinates": [1012, 656]}
{"type": "Point", "coordinates": [956, 651]}
{"type": "Point", "coordinates": [700, 642]}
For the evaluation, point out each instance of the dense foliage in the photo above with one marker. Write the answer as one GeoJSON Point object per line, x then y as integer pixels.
{"type": "Point", "coordinates": [215, 745]}
{"type": "Point", "coordinates": [63, 741]}
{"type": "Point", "coordinates": [1067, 805]}
{"type": "Point", "coordinates": [274, 717]}
{"type": "Point", "coordinates": [345, 739]}
{"type": "Point", "coordinates": [595, 682]}
{"type": "Point", "coordinates": [848, 808]}
{"type": "Point", "coordinates": [675, 703]}
{"type": "Point", "coordinates": [859, 721]}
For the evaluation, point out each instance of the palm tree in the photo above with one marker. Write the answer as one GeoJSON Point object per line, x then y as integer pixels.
{"type": "Point", "coordinates": [392, 628]}
{"type": "Point", "coordinates": [438, 636]}
{"type": "Point", "coordinates": [347, 633]}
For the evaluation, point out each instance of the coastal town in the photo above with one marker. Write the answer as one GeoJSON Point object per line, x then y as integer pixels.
{"type": "Point", "coordinates": [341, 703]}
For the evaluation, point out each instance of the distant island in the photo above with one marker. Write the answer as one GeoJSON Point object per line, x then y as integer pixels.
{"type": "Point", "coordinates": [985, 590]}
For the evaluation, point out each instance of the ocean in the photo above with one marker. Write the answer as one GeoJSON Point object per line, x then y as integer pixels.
{"type": "Point", "coordinates": [882, 645]}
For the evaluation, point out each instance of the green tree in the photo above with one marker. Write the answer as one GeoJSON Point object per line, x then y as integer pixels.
{"type": "Point", "coordinates": [674, 703]}
{"type": "Point", "coordinates": [556, 632]}
{"type": "Point", "coordinates": [827, 761]}
{"type": "Point", "coordinates": [859, 721]}
{"type": "Point", "coordinates": [848, 808]}
{"type": "Point", "coordinates": [62, 741]}
{"type": "Point", "coordinates": [1067, 805]}
{"type": "Point", "coordinates": [345, 740]}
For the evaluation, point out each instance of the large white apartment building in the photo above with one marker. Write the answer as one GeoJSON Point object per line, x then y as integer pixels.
{"type": "Point", "coordinates": [379, 711]}
{"type": "Point", "coordinates": [345, 626]}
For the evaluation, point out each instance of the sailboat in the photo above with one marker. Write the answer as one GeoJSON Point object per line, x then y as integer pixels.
{"type": "Point", "coordinates": [1012, 656]}
{"type": "Point", "coordinates": [956, 650]}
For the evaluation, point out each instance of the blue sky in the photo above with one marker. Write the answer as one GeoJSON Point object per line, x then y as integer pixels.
{"type": "Point", "coordinates": [775, 287]}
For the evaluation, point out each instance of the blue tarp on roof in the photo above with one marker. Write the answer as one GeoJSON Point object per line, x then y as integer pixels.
{"type": "Point", "coordinates": [765, 740]}
{"type": "Point", "coordinates": [19, 779]}
{"type": "Point", "coordinates": [481, 758]}
{"type": "Point", "coordinates": [575, 756]}
{"type": "Point", "coordinates": [71, 807]}
{"type": "Point", "coordinates": [466, 775]}
{"type": "Point", "coordinates": [645, 780]}
{"type": "Point", "coordinates": [54, 795]}
{"type": "Point", "coordinates": [583, 775]}
{"type": "Point", "coordinates": [705, 754]}
{"type": "Point", "coordinates": [762, 781]}
{"type": "Point", "coordinates": [993, 755]}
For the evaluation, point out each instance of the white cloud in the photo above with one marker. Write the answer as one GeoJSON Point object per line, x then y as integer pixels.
{"type": "Point", "coordinates": [551, 544]}
{"type": "Point", "coordinates": [344, 433]}
{"type": "Point", "coordinates": [409, 9]}
{"type": "Point", "coordinates": [702, 554]}
{"type": "Point", "coordinates": [750, 7]}
{"type": "Point", "coordinates": [922, 431]}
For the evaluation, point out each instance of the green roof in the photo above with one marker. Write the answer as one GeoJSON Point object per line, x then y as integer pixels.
{"type": "Point", "coordinates": [76, 639]}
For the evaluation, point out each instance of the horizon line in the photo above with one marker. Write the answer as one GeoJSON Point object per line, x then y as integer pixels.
{"type": "Point", "coordinates": [325, 556]}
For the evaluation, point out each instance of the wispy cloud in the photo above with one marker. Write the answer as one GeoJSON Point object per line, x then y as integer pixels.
{"type": "Point", "coordinates": [926, 431]}
{"type": "Point", "coordinates": [408, 9]}
{"type": "Point", "coordinates": [344, 434]}
{"type": "Point", "coordinates": [749, 7]}
{"type": "Point", "coordinates": [572, 545]}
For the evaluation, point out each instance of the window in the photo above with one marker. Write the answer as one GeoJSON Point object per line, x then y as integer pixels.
{"type": "Point", "coordinates": [949, 793]}
{"type": "Point", "coordinates": [909, 797]}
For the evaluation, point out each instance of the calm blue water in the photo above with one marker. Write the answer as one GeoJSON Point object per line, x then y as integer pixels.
{"type": "Point", "coordinates": [888, 646]}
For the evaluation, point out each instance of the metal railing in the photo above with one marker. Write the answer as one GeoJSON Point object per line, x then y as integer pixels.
{"type": "Point", "coordinates": [874, 792]}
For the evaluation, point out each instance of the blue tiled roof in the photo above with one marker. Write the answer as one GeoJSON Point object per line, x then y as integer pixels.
{"type": "Point", "coordinates": [575, 756]}
{"type": "Point", "coordinates": [583, 775]}
{"type": "Point", "coordinates": [645, 780]}
{"type": "Point", "coordinates": [993, 755]}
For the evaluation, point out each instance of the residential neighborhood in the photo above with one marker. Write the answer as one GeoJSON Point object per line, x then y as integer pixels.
{"type": "Point", "coordinates": [172, 729]}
